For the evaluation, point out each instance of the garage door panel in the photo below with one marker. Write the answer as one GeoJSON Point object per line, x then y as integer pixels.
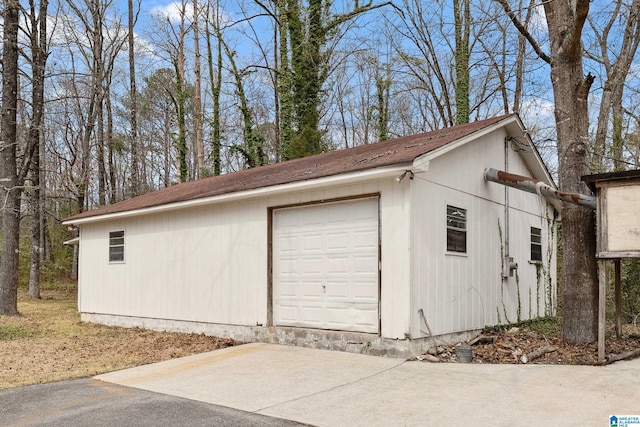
{"type": "Point", "coordinates": [310, 289]}
{"type": "Point", "coordinates": [330, 253]}
{"type": "Point", "coordinates": [312, 242]}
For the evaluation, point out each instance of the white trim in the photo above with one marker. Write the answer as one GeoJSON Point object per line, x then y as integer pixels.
{"type": "Point", "coordinates": [74, 241]}
{"type": "Point", "coordinates": [124, 243]}
{"type": "Point", "coordinates": [425, 158]}
{"type": "Point", "coordinates": [341, 179]}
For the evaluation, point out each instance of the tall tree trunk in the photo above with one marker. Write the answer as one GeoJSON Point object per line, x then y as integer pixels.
{"type": "Point", "coordinates": [571, 89]}
{"type": "Point", "coordinates": [113, 183]}
{"type": "Point", "coordinates": [102, 171]}
{"type": "Point", "coordinates": [462, 24]}
{"type": "Point", "coordinates": [9, 190]}
{"type": "Point", "coordinates": [38, 38]}
{"type": "Point", "coordinates": [383, 87]}
{"type": "Point", "coordinates": [522, 50]}
{"type": "Point", "coordinates": [133, 113]}
{"type": "Point", "coordinates": [215, 75]}
{"type": "Point", "coordinates": [579, 279]}
{"type": "Point", "coordinates": [180, 97]}
{"type": "Point", "coordinates": [253, 150]}
{"type": "Point", "coordinates": [284, 85]}
{"type": "Point", "coordinates": [199, 143]}
{"type": "Point", "coordinates": [36, 242]}
{"type": "Point", "coordinates": [617, 143]}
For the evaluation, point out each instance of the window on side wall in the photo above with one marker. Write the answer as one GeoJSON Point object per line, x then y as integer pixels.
{"type": "Point", "coordinates": [116, 246]}
{"type": "Point", "coordinates": [456, 229]}
{"type": "Point", "coordinates": [536, 244]}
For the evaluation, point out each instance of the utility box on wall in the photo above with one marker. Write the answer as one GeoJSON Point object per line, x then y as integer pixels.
{"type": "Point", "coordinates": [618, 211]}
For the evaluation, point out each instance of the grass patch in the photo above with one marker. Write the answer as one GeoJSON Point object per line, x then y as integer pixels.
{"type": "Point", "coordinates": [48, 342]}
{"type": "Point", "coordinates": [14, 332]}
{"type": "Point", "coordinates": [547, 326]}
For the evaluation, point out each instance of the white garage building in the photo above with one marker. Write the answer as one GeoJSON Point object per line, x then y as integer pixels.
{"type": "Point", "coordinates": [365, 249]}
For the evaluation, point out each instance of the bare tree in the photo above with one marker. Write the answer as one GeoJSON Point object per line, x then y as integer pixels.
{"type": "Point", "coordinates": [212, 29]}
{"type": "Point", "coordinates": [9, 173]}
{"type": "Point", "coordinates": [133, 93]}
{"type": "Point", "coordinates": [565, 22]}
{"type": "Point", "coordinates": [37, 33]}
{"type": "Point", "coordinates": [198, 123]}
{"type": "Point", "coordinates": [617, 71]}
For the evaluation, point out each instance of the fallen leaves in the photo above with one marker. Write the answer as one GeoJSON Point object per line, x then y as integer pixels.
{"type": "Point", "coordinates": [518, 346]}
{"type": "Point", "coordinates": [61, 347]}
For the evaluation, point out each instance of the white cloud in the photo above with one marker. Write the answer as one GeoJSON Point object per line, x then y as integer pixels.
{"type": "Point", "coordinates": [173, 11]}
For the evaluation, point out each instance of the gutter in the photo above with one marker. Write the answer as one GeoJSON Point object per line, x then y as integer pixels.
{"type": "Point", "coordinates": [341, 179]}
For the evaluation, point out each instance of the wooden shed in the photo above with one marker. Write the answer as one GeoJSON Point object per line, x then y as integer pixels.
{"type": "Point", "coordinates": [377, 249]}
{"type": "Point", "coordinates": [618, 234]}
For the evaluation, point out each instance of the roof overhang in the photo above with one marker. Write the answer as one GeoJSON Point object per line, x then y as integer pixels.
{"type": "Point", "coordinates": [515, 129]}
{"type": "Point", "coordinates": [341, 179]}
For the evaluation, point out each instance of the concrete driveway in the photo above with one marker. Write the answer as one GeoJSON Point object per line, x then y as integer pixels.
{"type": "Point", "coordinates": [328, 388]}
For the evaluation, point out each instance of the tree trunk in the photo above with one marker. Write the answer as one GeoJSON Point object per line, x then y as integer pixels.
{"type": "Point", "coordinates": [199, 143]}
{"type": "Point", "coordinates": [133, 113]}
{"type": "Point", "coordinates": [462, 23]}
{"type": "Point", "coordinates": [38, 39]}
{"type": "Point", "coordinates": [113, 182]}
{"type": "Point", "coordinates": [571, 88]}
{"type": "Point", "coordinates": [9, 191]}
{"type": "Point", "coordinates": [215, 75]}
{"type": "Point", "coordinates": [36, 242]}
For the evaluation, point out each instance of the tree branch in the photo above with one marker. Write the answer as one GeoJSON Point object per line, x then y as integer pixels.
{"type": "Point", "coordinates": [522, 29]}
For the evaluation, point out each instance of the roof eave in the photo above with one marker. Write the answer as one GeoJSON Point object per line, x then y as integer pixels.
{"type": "Point", "coordinates": [340, 179]}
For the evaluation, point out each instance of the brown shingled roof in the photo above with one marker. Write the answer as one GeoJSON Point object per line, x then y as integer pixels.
{"type": "Point", "coordinates": [394, 152]}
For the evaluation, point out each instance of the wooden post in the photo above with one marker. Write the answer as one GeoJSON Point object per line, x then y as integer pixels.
{"type": "Point", "coordinates": [602, 306]}
{"type": "Point", "coordinates": [618, 298]}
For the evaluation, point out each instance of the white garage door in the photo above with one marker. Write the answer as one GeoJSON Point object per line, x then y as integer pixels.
{"type": "Point", "coordinates": [325, 266]}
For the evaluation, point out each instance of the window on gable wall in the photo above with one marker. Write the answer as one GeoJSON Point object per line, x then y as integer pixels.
{"type": "Point", "coordinates": [536, 244]}
{"type": "Point", "coordinates": [116, 246]}
{"type": "Point", "coordinates": [456, 229]}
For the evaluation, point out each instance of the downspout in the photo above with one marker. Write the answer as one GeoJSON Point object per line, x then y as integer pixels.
{"type": "Point", "coordinates": [508, 266]}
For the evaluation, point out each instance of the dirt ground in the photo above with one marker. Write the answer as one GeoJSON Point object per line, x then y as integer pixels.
{"type": "Point", "coordinates": [48, 342]}
{"type": "Point", "coordinates": [511, 345]}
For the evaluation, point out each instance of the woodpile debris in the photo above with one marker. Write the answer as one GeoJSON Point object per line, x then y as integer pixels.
{"type": "Point", "coordinates": [519, 346]}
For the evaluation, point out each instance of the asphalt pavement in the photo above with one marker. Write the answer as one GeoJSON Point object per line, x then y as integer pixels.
{"type": "Point", "coordinates": [88, 402]}
{"type": "Point", "coordinates": [331, 388]}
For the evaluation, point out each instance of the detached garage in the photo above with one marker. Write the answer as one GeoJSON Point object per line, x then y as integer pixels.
{"type": "Point", "coordinates": [375, 249]}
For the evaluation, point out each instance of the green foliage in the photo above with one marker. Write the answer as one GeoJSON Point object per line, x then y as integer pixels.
{"type": "Point", "coordinates": [548, 326]}
{"type": "Point", "coordinates": [631, 290]}
{"type": "Point", "coordinates": [14, 332]}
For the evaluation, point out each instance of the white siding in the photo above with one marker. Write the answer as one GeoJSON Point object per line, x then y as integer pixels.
{"type": "Point", "coordinates": [184, 265]}
{"type": "Point", "coordinates": [460, 292]}
{"type": "Point", "coordinates": [210, 264]}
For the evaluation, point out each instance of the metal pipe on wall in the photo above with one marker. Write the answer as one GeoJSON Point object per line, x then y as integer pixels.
{"type": "Point", "coordinates": [538, 187]}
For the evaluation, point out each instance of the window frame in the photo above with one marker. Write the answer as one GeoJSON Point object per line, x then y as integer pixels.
{"type": "Point", "coordinates": [456, 230]}
{"type": "Point", "coordinates": [115, 257]}
{"type": "Point", "coordinates": [535, 235]}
